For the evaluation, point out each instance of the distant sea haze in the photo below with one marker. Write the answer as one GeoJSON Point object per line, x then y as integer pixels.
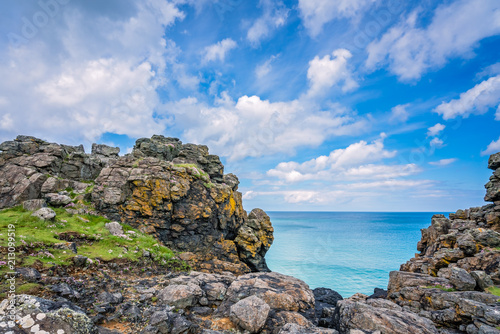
{"type": "Point", "coordinates": [348, 252]}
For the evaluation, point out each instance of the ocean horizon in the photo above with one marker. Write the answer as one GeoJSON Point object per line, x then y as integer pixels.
{"type": "Point", "coordinates": [348, 252]}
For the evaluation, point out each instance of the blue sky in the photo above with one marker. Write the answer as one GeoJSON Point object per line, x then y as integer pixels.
{"type": "Point", "coordinates": [317, 105]}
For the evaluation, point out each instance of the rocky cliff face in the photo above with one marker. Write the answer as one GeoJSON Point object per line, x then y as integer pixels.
{"type": "Point", "coordinates": [176, 192]}
{"type": "Point", "coordinates": [459, 263]}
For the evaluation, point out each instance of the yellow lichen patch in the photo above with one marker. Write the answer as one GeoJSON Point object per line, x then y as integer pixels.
{"type": "Point", "coordinates": [223, 324]}
{"type": "Point", "coordinates": [232, 204]}
{"type": "Point", "coordinates": [148, 194]}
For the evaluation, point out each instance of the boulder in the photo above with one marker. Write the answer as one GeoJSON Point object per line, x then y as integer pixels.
{"type": "Point", "coordinates": [45, 214]}
{"type": "Point", "coordinates": [462, 280]}
{"type": "Point", "coordinates": [29, 274]}
{"type": "Point", "coordinates": [181, 296]}
{"type": "Point", "coordinates": [57, 199]}
{"type": "Point", "coordinates": [380, 315]}
{"type": "Point", "coordinates": [250, 313]}
{"type": "Point", "coordinates": [297, 329]}
{"type": "Point", "coordinates": [114, 228]}
{"type": "Point", "coordinates": [483, 280]}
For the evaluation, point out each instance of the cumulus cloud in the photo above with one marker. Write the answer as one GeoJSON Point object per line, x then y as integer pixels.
{"type": "Point", "coordinates": [443, 162]}
{"type": "Point", "coordinates": [218, 50]}
{"type": "Point", "coordinates": [411, 50]}
{"type": "Point", "coordinates": [316, 13]}
{"type": "Point", "coordinates": [476, 100]}
{"type": "Point", "coordinates": [399, 113]}
{"type": "Point", "coordinates": [352, 162]}
{"type": "Point", "coordinates": [492, 148]}
{"type": "Point", "coordinates": [324, 73]}
{"type": "Point", "coordinates": [252, 127]}
{"type": "Point", "coordinates": [75, 81]}
{"type": "Point", "coordinates": [275, 15]}
{"type": "Point", "coordinates": [435, 130]}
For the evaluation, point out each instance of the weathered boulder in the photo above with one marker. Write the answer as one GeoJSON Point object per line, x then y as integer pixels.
{"type": "Point", "coordinates": [493, 186]}
{"type": "Point", "coordinates": [380, 315]}
{"type": "Point", "coordinates": [325, 305]}
{"type": "Point", "coordinates": [297, 329]}
{"type": "Point", "coordinates": [44, 213]}
{"type": "Point", "coordinates": [57, 199]}
{"type": "Point", "coordinates": [254, 238]}
{"type": "Point", "coordinates": [462, 280]}
{"type": "Point", "coordinates": [114, 228]}
{"type": "Point", "coordinates": [483, 280]}
{"type": "Point", "coordinates": [181, 296]}
{"type": "Point", "coordinates": [250, 313]}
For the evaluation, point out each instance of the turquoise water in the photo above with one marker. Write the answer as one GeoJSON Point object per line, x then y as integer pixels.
{"type": "Point", "coordinates": [348, 252]}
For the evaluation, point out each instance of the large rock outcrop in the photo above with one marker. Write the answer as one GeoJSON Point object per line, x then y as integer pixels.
{"type": "Point", "coordinates": [176, 192]}
{"type": "Point", "coordinates": [448, 282]}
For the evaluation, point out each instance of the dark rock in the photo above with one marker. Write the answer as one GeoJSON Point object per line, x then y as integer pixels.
{"type": "Point", "coordinates": [29, 274]}
{"type": "Point", "coordinates": [378, 293]}
{"type": "Point", "coordinates": [462, 280]}
{"type": "Point", "coordinates": [494, 161]}
{"type": "Point", "coordinates": [80, 261]}
{"type": "Point", "coordinates": [483, 280]}
{"type": "Point", "coordinates": [326, 302]}
{"type": "Point", "coordinates": [112, 298]}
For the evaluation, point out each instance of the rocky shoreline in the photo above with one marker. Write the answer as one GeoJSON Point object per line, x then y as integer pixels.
{"type": "Point", "coordinates": [178, 193]}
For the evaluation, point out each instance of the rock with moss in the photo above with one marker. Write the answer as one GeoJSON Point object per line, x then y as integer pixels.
{"type": "Point", "coordinates": [29, 314]}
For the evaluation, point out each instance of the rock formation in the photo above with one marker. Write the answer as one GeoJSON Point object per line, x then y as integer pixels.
{"type": "Point", "coordinates": [176, 192]}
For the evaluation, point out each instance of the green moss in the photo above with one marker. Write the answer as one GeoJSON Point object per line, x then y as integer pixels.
{"type": "Point", "coordinates": [94, 241]}
{"type": "Point", "coordinates": [493, 290]}
{"type": "Point", "coordinates": [440, 287]}
{"type": "Point", "coordinates": [28, 288]}
{"type": "Point", "coordinates": [195, 171]}
{"type": "Point", "coordinates": [209, 185]}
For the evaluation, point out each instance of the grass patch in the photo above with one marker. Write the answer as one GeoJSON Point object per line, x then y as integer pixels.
{"type": "Point", "coordinates": [39, 238]}
{"type": "Point", "coordinates": [447, 288]}
{"type": "Point", "coordinates": [493, 290]}
{"type": "Point", "coordinates": [195, 171]}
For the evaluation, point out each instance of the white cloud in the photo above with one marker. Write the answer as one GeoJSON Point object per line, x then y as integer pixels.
{"type": "Point", "coordinates": [435, 130]}
{"type": "Point", "coordinates": [341, 164]}
{"type": "Point", "coordinates": [218, 50]}
{"type": "Point", "coordinates": [497, 114]}
{"type": "Point", "coordinates": [316, 13]}
{"type": "Point", "coordinates": [492, 148]}
{"type": "Point", "coordinates": [476, 100]}
{"type": "Point", "coordinates": [436, 142]}
{"type": "Point", "coordinates": [324, 73]}
{"type": "Point", "coordinates": [75, 81]}
{"type": "Point", "coordinates": [455, 29]}
{"type": "Point", "coordinates": [275, 15]}
{"type": "Point", "coordinates": [263, 69]}
{"type": "Point", "coordinates": [251, 127]}
{"type": "Point", "coordinates": [399, 113]}
{"type": "Point", "coordinates": [443, 162]}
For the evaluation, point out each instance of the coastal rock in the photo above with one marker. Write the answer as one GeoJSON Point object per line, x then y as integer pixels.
{"type": "Point", "coordinates": [176, 192]}
{"type": "Point", "coordinates": [482, 279]}
{"type": "Point", "coordinates": [254, 238]}
{"type": "Point", "coordinates": [462, 280]}
{"type": "Point", "coordinates": [250, 313]}
{"type": "Point", "coordinates": [380, 315]}
{"type": "Point", "coordinates": [181, 296]}
{"type": "Point", "coordinates": [57, 199]}
{"type": "Point", "coordinates": [297, 329]}
{"type": "Point", "coordinates": [325, 306]}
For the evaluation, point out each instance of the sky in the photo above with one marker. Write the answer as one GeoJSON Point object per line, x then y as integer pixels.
{"type": "Point", "coordinates": [316, 105]}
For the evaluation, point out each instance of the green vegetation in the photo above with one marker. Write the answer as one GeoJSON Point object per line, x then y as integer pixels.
{"type": "Point", "coordinates": [195, 171]}
{"type": "Point", "coordinates": [45, 241]}
{"type": "Point", "coordinates": [447, 288]}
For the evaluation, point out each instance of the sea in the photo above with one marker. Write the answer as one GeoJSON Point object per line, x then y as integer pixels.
{"type": "Point", "coordinates": [348, 252]}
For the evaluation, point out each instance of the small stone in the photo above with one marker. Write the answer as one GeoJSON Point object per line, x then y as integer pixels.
{"type": "Point", "coordinates": [114, 228]}
{"type": "Point", "coordinates": [482, 279]}
{"type": "Point", "coordinates": [57, 199]}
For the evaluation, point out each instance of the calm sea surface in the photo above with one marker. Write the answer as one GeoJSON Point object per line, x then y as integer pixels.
{"type": "Point", "coordinates": [348, 252]}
